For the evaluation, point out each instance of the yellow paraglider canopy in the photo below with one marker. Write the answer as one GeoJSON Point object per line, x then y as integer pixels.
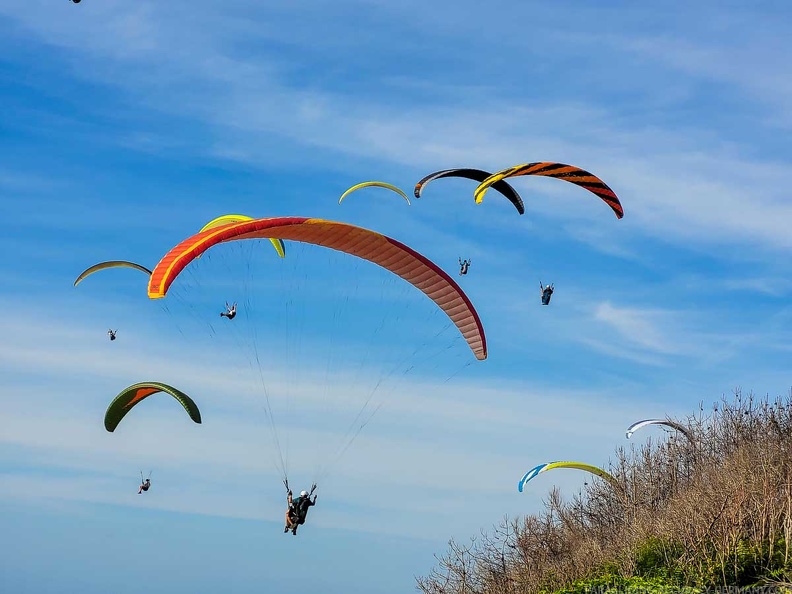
{"type": "Point", "coordinates": [237, 218]}
{"type": "Point", "coordinates": [109, 264]}
{"type": "Point", "coordinates": [378, 184]}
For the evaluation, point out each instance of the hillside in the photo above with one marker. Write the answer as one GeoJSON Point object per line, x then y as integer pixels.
{"type": "Point", "coordinates": [686, 515]}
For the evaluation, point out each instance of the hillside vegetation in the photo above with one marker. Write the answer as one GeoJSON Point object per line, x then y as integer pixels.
{"type": "Point", "coordinates": [685, 516]}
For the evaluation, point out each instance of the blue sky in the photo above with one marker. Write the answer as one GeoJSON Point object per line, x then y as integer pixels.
{"type": "Point", "coordinates": [125, 126]}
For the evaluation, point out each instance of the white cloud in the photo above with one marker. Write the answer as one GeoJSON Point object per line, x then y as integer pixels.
{"type": "Point", "coordinates": [647, 329]}
{"type": "Point", "coordinates": [442, 439]}
{"type": "Point", "coordinates": [679, 184]}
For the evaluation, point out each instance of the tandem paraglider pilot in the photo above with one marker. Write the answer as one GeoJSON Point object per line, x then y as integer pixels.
{"type": "Point", "coordinates": [297, 510]}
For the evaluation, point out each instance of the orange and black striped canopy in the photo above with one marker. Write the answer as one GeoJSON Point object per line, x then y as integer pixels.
{"type": "Point", "coordinates": [569, 173]}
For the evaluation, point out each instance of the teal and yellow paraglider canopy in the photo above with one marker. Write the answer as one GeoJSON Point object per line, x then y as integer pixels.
{"type": "Point", "coordinates": [136, 393]}
{"type": "Point", "coordinates": [536, 470]}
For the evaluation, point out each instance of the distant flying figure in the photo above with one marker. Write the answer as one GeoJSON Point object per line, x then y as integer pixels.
{"type": "Point", "coordinates": [144, 484]}
{"type": "Point", "coordinates": [230, 311]}
{"type": "Point", "coordinates": [463, 266]}
{"type": "Point", "coordinates": [111, 333]}
{"type": "Point", "coordinates": [547, 293]}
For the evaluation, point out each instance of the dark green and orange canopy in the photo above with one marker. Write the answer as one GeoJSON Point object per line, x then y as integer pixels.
{"type": "Point", "coordinates": [136, 393]}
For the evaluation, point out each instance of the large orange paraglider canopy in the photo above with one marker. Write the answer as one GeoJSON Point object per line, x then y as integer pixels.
{"type": "Point", "coordinates": [357, 241]}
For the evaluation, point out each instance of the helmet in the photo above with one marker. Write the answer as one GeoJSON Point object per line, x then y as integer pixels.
{"type": "Point", "coordinates": [303, 493]}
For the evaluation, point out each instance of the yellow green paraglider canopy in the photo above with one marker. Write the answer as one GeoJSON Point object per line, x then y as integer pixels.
{"type": "Point", "coordinates": [236, 218]}
{"type": "Point", "coordinates": [377, 184]}
{"type": "Point", "coordinates": [109, 264]}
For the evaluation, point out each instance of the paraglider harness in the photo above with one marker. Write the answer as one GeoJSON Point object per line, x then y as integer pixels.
{"type": "Point", "coordinates": [144, 484]}
{"type": "Point", "coordinates": [463, 266]}
{"type": "Point", "coordinates": [298, 509]}
{"type": "Point", "coordinates": [547, 293]}
{"type": "Point", "coordinates": [112, 334]}
{"type": "Point", "coordinates": [230, 312]}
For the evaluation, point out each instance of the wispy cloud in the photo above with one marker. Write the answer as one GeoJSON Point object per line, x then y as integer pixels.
{"type": "Point", "coordinates": [671, 180]}
{"type": "Point", "coordinates": [643, 328]}
{"type": "Point", "coordinates": [714, 57]}
{"type": "Point", "coordinates": [412, 444]}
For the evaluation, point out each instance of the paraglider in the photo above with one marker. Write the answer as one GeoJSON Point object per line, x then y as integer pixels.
{"type": "Point", "coordinates": [576, 465]}
{"type": "Point", "coordinates": [476, 175]}
{"type": "Point", "coordinates": [145, 485]}
{"type": "Point", "coordinates": [112, 334]}
{"type": "Point", "coordinates": [463, 266]}
{"type": "Point", "coordinates": [667, 422]}
{"type": "Point", "coordinates": [136, 393]}
{"type": "Point", "coordinates": [547, 292]}
{"type": "Point", "coordinates": [378, 184]}
{"type": "Point", "coordinates": [236, 218]}
{"type": "Point", "coordinates": [230, 311]}
{"type": "Point", "coordinates": [297, 509]}
{"type": "Point", "coordinates": [109, 264]}
{"type": "Point", "coordinates": [386, 252]}
{"type": "Point", "coordinates": [569, 173]}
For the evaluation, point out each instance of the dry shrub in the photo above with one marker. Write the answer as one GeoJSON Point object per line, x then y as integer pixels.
{"type": "Point", "coordinates": [714, 511]}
